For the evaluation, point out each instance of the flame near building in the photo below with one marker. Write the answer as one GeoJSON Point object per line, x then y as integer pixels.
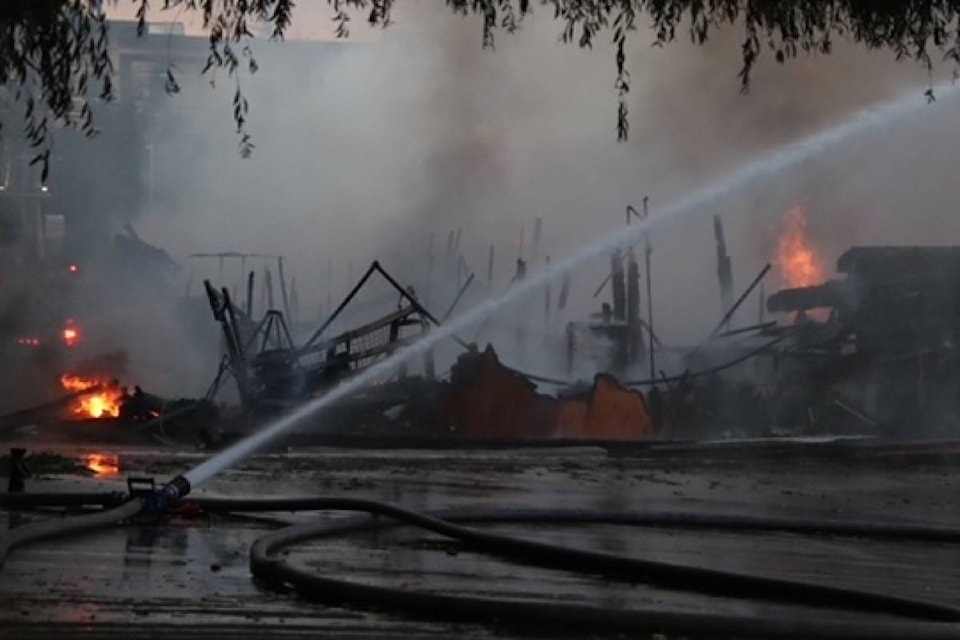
{"type": "Point", "coordinates": [798, 263]}
{"type": "Point", "coordinates": [796, 260]}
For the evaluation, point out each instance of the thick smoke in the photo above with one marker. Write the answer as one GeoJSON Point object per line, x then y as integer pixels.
{"type": "Point", "coordinates": [366, 149]}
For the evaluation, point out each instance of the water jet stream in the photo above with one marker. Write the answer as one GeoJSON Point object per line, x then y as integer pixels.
{"type": "Point", "coordinates": [767, 165]}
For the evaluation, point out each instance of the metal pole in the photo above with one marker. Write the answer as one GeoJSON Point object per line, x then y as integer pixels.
{"type": "Point", "coordinates": [294, 302]}
{"type": "Point", "coordinates": [724, 270]}
{"type": "Point", "coordinates": [416, 303]}
{"type": "Point", "coordinates": [647, 251]}
{"type": "Point", "coordinates": [238, 359]}
{"type": "Point", "coordinates": [463, 290]}
{"type": "Point", "coordinates": [343, 305]}
{"type": "Point", "coordinates": [760, 310]}
{"type": "Point", "coordinates": [427, 285]}
{"type": "Point", "coordinates": [329, 285]}
{"type": "Point", "coordinates": [269, 284]}
{"type": "Point", "coordinates": [546, 298]}
{"type": "Point", "coordinates": [610, 273]}
{"type": "Point", "coordinates": [726, 317]}
{"type": "Point", "coordinates": [250, 294]}
{"type": "Point", "coordinates": [535, 242]}
{"type": "Point", "coordinates": [564, 292]}
{"type": "Point", "coordinates": [283, 287]}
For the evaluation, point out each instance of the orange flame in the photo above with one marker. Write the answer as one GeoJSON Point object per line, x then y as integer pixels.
{"type": "Point", "coordinates": [104, 399]}
{"type": "Point", "coordinates": [102, 464]}
{"type": "Point", "coordinates": [797, 261]}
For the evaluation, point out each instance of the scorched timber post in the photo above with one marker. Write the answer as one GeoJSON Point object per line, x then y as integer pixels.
{"type": "Point", "coordinates": [725, 320]}
{"type": "Point", "coordinates": [647, 251]}
{"type": "Point", "coordinates": [283, 287]}
{"type": "Point", "coordinates": [724, 269]}
{"type": "Point", "coordinates": [250, 278]}
{"type": "Point", "coordinates": [222, 308]}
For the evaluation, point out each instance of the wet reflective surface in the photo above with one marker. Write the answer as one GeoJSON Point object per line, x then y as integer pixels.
{"type": "Point", "coordinates": [191, 574]}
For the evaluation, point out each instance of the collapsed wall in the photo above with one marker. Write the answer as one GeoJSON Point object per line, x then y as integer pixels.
{"type": "Point", "coordinates": [486, 400]}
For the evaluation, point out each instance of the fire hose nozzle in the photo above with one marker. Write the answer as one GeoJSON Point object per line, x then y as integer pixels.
{"type": "Point", "coordinates": [160, 501]}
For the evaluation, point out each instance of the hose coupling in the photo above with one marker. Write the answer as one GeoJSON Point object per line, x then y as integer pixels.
{"type": "Point", "coordinates": [161, 500]}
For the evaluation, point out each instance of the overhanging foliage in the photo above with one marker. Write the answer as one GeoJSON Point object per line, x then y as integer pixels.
{"type": "Point", "coordinates": [54, 53]}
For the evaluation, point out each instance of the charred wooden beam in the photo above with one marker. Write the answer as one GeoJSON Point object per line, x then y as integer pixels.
{"type": "Point", "coordinates": [619, 286]}
{"type": "Point", "coordinates": [564, 292]}
{"type": "Point", "coordinates": [456, 300]}
{"type": "Point", "coordinates": [535, 242]}
{"type": "Point", "coordinates": [828, 294]}
{"type": "Point", "coordinates": [333, 316]}
{"type": "Point", "coordinates": [635, 330]}
{"type": "Point", "coordinates": [729, 314]}
{"type": "Point", "coordinates": [724, 270]}
{"type": "Point", "coordinates": [283, 287]}
{"type": "Point", "coordinates": [250, 278]}
{"type": "Point", "coordinates": [379, 323]}
{"type": "Point", "coordinates": [413, 301]}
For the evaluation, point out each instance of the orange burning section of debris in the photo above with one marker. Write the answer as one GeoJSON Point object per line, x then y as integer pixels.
{"type": "Point", "coordinates": [486, 400]}
{"type": "Point", "coordinates": [797, 261]}
{"type": "Point", "coordinates": [99, 399]}
{"type": "Point", "coordinates": [102, 464]}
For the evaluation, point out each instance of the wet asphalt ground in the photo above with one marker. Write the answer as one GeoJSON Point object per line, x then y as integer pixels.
{"type": "Point", "coordinates": [189, 576]}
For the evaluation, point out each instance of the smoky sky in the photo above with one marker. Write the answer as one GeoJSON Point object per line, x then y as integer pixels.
{"type": "Point", "coordinates": [365, 149]}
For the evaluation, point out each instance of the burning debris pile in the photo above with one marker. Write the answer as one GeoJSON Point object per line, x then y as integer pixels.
{"type": "Point", "coordinates": [95, 398]}
{"type": "Point", "coordinates": [892, 335]}
{"type": "Point", "coordinates": [865, 354]}
{"type": "Point", "coordinates": [97, 407]}
{"type": "Point", "coordinates": [482, 401]}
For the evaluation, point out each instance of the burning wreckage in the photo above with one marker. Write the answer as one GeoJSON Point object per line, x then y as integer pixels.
{"type": "Point", "coordinates": [872, 353]}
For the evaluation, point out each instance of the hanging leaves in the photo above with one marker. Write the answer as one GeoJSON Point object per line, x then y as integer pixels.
{"type": "Point", "coordinates": [54, 53]}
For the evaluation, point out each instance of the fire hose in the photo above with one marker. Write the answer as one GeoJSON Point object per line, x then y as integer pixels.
{"type": "Point", "coordinates": [922, 620]}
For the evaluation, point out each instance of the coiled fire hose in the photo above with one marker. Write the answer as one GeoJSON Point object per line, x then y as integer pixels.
{"type": "Point", "coordinates": [920, 620]}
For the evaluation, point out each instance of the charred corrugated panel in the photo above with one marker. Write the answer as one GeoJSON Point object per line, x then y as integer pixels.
{"type": "Point", "coordinates": [486, 400]}
{"type": "Point", "coordinates": [609, 412]}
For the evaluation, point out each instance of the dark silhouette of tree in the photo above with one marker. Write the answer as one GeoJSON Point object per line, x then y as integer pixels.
{"type": "Point", "coordinates": [54, 53]}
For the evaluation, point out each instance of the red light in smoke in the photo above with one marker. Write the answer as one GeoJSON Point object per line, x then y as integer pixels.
{"type": "Point", "coordinates": [74, 269]}
{"type": "Point", "coordinates": [71, 335]}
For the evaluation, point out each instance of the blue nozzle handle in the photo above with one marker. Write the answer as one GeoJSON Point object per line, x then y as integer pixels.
{"type": "Point", "coordinates": [160, 501]}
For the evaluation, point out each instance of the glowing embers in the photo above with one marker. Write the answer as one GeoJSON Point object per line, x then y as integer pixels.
{"type": "Point", "coordinates": [102, 464]}
{"type": "Point", "coordinates": [71, 333]}
{"type": "Point", "coordinates": [98, 398]}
